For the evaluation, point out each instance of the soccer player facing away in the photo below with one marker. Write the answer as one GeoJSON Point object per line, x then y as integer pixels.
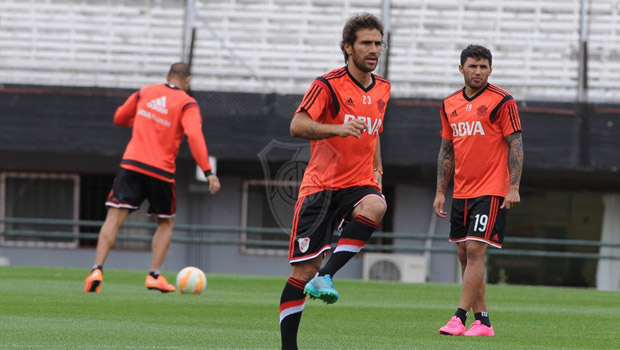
{"type": "Point", "coordinates": [160, 115]}
{"type": "Point", "coordinates": [342, 115]}
{"type": "Point", "coordinates": [481, 142]}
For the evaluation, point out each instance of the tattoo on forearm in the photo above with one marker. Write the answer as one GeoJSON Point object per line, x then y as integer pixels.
{"type": "Point", "coordinates": [311, 129]}
{"type": "Point", "coordinates": [515, 157]}
{"type": "Point", "coordinates": [445, 165]}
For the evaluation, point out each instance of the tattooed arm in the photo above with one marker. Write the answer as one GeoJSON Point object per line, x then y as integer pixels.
{"type": "Point", "coordinates": [515, 167]}
{"type": "Point", "coordinates": [305, 127]}
{"type": "Point", "coordinates": [445, 168]}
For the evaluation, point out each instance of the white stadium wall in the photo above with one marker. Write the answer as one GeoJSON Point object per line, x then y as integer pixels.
{"type": "Point", "coordinates": [281, 45]}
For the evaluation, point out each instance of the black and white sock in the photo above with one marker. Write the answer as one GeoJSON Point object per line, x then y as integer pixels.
{"type": "Point", "coordinates": [292, 303]}
{"type": "Point", "coordinates": [352, 239]}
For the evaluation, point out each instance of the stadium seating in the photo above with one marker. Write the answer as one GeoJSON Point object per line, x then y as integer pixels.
{"type": "Point", "coordinates": [281, 45]}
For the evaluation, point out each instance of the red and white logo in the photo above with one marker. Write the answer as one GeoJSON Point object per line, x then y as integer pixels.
{"type": "Point", "coordinates": [304, 244]}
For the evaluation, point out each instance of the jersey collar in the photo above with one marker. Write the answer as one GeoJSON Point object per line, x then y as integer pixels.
{"type": "Point", "coordinates": [476, 95]}
{"type": "Point", "coordinates": [172, 86]}
{"type": "Point", "coordinates": [372, 84]}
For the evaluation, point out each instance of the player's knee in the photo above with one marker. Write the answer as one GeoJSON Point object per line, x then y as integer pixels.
{"type": "Point", "coordinates": [165, 221]}
{"type": "Point", "coordinates": [462, 253]}
{"type": "Point", "coordinates": [463, 258]}
{"type": "Point", "coordinates": [305, 271]}
{"type": "Point", "coordinates": [373, 208]}
{"type": "Point", "coordinates": [473, 255]}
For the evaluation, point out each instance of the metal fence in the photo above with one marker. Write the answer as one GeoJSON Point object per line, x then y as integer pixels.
{"type": "Point", "coordinates": [7, 232]}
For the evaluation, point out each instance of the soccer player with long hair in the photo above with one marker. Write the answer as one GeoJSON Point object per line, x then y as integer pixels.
{"type": "Point", "coordinates": [342, 115]}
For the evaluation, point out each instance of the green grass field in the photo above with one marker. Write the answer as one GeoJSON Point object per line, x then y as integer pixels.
{"type": "Point", "coordinates": [45, 308]}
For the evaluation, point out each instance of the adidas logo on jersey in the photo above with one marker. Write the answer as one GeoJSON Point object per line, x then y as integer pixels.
{"type": "Point", "coordinates": [159, 105]}
{"type": "Point", "coordinates": [349, 102]}
{"type": "Point", "coordinates": [454, 114]}
{"type": "Point", "coordinates": [467, 129]}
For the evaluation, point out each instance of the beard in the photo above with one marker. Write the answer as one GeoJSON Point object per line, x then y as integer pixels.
{"type": "Point", "coordinates": [360, 63]}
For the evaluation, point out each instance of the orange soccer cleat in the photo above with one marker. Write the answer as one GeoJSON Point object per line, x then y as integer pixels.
{"type": "Point", "coordinates": [160, 283]}
{"type": "Point", "coordinates": [93, 281]}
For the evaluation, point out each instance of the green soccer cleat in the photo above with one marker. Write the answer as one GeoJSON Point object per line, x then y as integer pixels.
{"type": "Point", "coordinates": [322, 287]}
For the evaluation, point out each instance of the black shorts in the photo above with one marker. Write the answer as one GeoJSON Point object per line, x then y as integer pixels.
{"type": "Point", "coordinates": [318, 215]}
{"type": "Point", "coordinates": [478, 219]}
{"type": "Point", "coordinates": [131, 188]}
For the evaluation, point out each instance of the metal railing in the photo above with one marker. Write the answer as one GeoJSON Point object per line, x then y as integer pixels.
{"type": "Point", "coordinates": [194, 229]}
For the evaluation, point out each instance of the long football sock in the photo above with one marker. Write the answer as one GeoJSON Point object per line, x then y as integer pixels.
{"type": "Point", "coordinates": [292, 303]}
{"type": "Point", "coordinates": [352, 240]}
{"type": "Point", "coordinates": [483, 317]}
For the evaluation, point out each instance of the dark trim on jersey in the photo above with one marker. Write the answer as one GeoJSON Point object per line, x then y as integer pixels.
{"type": "Point", "coordinates": [454, 93]}
{"type": "Point", "coordinates": [476, 95]}
{"type": "Point", "coordinates": [150, 168]}
{"type": "Point", "coordinates": [335, 74]}
{"type": "Point", "coordinates": [138, 95]}
{"type": "Point", "coordinates": [492, 117]}
{"type": "Point", "coordinates": [310, 91]}
{"type": "Point", "coordinates": [498, 90]}
{"type": "Point", "coordinates": [311, 96]}
{"type": "Point", "coordinates": [383, 80]}
{"type": "Point", "coordinates": [443, 112]}
{"type": "Point", "coordinates": [189, 104]}
{"type": "Point", "coordinates": [335, 102]}
{"type": "Point", "coordinates": [372, 84]}
{"type": "Point", "coordinates": [514, 117]}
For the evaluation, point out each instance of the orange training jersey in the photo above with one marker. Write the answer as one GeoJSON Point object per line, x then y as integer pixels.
{"type": "Point", "coordinates": [336, 162]}
{"type": "Point", "coordinates": [477, 127]}
{"type": "Point", "coordinates": [160, 115]}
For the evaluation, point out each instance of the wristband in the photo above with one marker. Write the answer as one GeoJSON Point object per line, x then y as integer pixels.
{"type": "Point", "coordinates": [208, 173]}
{"type": "Point", "coordinates": [379, 171]}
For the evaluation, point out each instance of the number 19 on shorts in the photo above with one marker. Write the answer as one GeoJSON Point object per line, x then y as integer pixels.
{"type": "Point", "coordinates": [480, 224]}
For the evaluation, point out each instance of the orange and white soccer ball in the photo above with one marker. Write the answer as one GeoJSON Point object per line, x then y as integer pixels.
{"type": "Point", "coordinates": [191, 280]}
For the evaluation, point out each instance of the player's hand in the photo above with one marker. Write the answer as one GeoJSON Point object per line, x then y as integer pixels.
{"type": "Point", "coordinates": [438, 204]}
{"type": "Point", "coordinates": [353, 128]}
{"type": "Point", "coordinates": [512, 198]}
{"type": "Point", "coordinates": [214, 183]}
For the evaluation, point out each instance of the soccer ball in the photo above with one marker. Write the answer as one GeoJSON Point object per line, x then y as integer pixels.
{"type": "Point", "coordinates": [191, 280]}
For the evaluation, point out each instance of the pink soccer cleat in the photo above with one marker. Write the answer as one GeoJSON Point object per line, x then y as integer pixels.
{"type": "Point", "coordinates": [453, 327]}
{"type": "Point", "coordinates": [477, 329]}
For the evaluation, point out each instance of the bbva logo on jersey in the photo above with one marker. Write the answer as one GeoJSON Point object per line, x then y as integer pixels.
{"type": "Point", "coordinates": [467, 129]}
{"type": "Point", "coordinates": [372, 126]}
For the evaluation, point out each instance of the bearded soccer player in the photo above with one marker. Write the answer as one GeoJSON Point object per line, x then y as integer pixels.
{"type": "Point", "coordinates": [481, 142]}
{"type": "Point", "coordinates": [342, 116]}
{"type": "Point", "coordinates": [160, 115]}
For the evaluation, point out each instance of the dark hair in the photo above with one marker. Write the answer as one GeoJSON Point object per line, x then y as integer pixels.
{"type": "Point", "coordinates": [179, 70]}
{"type": "Point", "coordinates": [359, 21]}
{"type": "Point", "coordinates": [477, 52]}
